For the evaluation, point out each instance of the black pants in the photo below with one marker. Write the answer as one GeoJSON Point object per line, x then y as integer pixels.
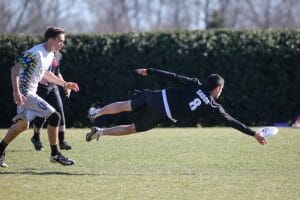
{"type": "Point", "coordinates": [52, 96]}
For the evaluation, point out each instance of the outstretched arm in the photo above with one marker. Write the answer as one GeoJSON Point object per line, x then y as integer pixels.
{"type": "Point", "coordinates": [234, 123]}
{"type": "Point", "coordinates": [183, 80]}
{"type": "Point", "coordinates": [49, 76]}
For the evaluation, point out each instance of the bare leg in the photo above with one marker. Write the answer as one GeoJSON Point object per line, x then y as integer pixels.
{"type": "Point", "coordinates": [52, 135]}
{"type": "Point", "coordinates": [113, 108]}
{"type": "Point", "coordinates": [11, 134]}
{"type": "Point", "coordinates": [15, 130]}
{"type": "Point", "coordinates": [119, 130]}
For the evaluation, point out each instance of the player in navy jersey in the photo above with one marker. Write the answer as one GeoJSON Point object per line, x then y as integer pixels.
{"type": "Point", "coordinates": [191, 100]}
{"type": "Point", "coordinates": [50, 92]}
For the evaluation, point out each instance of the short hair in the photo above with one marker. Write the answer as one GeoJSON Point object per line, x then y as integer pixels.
{"type": "Point", "coordinates": [213, 81]}
{"type": "Point", "coordinates": [53, 32]}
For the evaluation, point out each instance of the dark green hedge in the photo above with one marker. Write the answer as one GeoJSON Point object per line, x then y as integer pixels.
{"type": "Point", "coordinates": [261, 69]}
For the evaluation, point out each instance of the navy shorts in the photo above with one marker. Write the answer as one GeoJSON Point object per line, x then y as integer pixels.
{"type": "Point", "coordinates": [148, 108]}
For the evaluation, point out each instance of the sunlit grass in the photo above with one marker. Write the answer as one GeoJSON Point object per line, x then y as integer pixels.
{"type": "Point", "coordinates": [194, 163]}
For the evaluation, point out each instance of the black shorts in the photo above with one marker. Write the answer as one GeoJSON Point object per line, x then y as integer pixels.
{"type": "Point", "coordinates": [149, 109]}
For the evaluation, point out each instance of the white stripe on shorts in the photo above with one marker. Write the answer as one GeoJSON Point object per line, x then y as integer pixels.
{"type": "Point", "coordinates": [166, 105]}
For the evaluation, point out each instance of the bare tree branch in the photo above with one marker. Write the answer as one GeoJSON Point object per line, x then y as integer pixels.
{"type": "Point", "coordinates": [24, 8]}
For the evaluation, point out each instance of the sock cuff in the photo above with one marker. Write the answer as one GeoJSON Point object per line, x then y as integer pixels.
{"type": "Point", "coordinates": [3, 145]}
{"type": "Point", "coordinates": [54, 150]}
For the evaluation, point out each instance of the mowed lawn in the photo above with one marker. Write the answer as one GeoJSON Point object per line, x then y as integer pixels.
{"type": "Point", "coordinates": [171, 163]}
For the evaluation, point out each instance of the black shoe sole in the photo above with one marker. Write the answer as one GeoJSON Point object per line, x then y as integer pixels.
{"type": "Point", "coordinates": [65, 147]}
{"type": "Point", "coordinates": [63, 164]}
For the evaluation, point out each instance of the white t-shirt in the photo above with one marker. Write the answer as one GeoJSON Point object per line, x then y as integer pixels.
{"type": "Point", "coordinates": [34, 63]}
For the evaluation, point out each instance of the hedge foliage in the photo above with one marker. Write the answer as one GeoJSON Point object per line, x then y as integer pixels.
{"type": "Point", "coordinates": [261, 69]}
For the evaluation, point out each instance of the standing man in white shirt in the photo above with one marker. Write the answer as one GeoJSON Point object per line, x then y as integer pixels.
{"type": "Point", "coordinates": [30, 68]}
{"type": "Point", "coordinates": [50, 92]}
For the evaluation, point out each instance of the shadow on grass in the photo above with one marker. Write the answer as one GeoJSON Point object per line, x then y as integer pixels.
{"type": "Point", "coordinates": [34, 173]}
{"type": "Point", "coordinates": [47, 173]}
{"type": "Point", "coordinates": [20, 150]}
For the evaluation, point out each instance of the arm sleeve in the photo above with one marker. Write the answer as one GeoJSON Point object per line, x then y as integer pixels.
{"type": "Point", "coordinates": [28, 60]}
{"type": "Point", "coordinates": [179, 79]}
{"type": "Point", "coordinates": [230, 121]}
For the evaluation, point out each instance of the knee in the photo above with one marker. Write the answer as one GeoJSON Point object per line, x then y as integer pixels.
{"type": "Point", "coordinates": [24, 125]}
{"type": "Point", "coordinates": [54, 119]}
{"type": "Point", "coordinates": [21, 125]}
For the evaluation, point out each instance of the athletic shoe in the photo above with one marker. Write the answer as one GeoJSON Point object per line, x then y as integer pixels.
{"type": "Point", "coordinates": [2, 161]}
{"type": "Point", "coordinates": [95, 133]}
{"type": "Point", "coordinates": [37, 144]}
{"type": "Point", "coordinates": [64, 145]}
{"type": "Point", "coordinates": [93, 113]}
{"type": "Point", "coordinates": [59, 158]}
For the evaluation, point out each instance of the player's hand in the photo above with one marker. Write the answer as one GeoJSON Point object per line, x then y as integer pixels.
{"type": "Point", "coordinates": [68, 92]}
{"type": "Point", "coordinates": [71, 86]}
{"type": "Point", "coordinates": [19, 98]}
{"type": "Point", "coordinates": [141, 71]}
{"type": "Point", "coordinates": [260, 138]}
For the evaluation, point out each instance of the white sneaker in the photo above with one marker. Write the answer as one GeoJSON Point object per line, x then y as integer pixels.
{"type": "Point", "coordinates": [95, 133]}
{"type": "Point", "coordinates": [2, 161]}
{"type": "Point", "coordinates": [59, 158]}
{"type": "Point", "coordinates": [93, 113]}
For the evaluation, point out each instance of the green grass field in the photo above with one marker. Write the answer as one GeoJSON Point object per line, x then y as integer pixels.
{"type": "Point", "coordinates": [193, 163]}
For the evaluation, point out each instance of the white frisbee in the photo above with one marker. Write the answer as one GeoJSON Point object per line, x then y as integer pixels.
{"type": "Point", "coordinates": [268, 131]}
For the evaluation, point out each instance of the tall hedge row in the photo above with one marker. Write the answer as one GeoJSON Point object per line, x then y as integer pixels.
{"type": "Point", "coordinates": [261, 70]}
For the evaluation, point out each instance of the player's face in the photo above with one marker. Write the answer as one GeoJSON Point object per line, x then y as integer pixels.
{"type": "Point", "coordinates": [217, 92]}
{"type": "Point", "coordinates": [220, 91]}
{"type": "Point", "coordinates": [58, 42]}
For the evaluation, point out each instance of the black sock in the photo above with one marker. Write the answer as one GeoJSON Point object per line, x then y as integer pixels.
{"type": "Point", "coordinates": [36, 135]}
{"type": "Point", "coordinates": [61, 136]}
{"type": "Point", "coordinates": [3, 145]}
{"type": "Point", "coordinates": [54, 150]}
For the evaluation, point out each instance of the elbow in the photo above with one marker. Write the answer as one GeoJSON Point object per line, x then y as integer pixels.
{"type": "Point", "coordinates": [15, 69]}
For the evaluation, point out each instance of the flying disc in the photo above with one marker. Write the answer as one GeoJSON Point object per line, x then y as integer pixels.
{"type": "Point", "coordinates": [268, 132]}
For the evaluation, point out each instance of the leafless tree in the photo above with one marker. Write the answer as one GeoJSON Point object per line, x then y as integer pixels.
{"type": "Point", "coordinates": [33, 16]}
{"type": "Point", "coordinates": [266, 14]}
{"type": "Point", "coordinates": [110, 16]}
{"type": "Point", "coordinates": [94, 16]}
{"type": "Point", "coordinates": [5, 16]}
